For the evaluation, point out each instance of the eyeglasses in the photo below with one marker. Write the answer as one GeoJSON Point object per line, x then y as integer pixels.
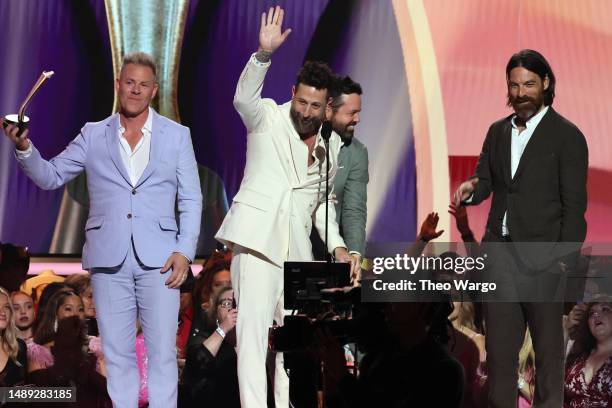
{"type": "Point", "coordinates": [227, 303]}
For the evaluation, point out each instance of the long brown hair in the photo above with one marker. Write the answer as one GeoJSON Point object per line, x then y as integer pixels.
{"type": "Point", "coordinates": [585, 342]}
{"type": "Point", "coordinates": [217, 262]}
{"type": "Point", "coordinates": [46, 327]}
{"type": "Point", "coordinates": [9, 335]}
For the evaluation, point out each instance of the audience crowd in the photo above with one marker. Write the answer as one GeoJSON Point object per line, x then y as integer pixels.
{"type": "Point", "coordinates": [414, 353]}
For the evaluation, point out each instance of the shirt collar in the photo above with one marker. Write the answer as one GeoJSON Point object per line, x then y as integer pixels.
{"type": "Point", "coordinates": [148, 126]}
{"type": "Point", "coordinates": [534, 121]}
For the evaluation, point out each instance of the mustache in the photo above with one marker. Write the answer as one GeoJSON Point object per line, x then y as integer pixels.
{"type": "Point", "coordinates": [523, 99]}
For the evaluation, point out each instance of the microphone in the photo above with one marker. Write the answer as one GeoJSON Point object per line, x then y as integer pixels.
{"type": "Point", "coordinates": [326, 129]}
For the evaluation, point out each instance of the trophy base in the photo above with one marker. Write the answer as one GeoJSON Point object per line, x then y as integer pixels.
{"type": "Point", "coordinates": [13, 119]}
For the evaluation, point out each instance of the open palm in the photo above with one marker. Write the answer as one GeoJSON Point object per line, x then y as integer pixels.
{"type": "Point", "coordinates": [270, 34]}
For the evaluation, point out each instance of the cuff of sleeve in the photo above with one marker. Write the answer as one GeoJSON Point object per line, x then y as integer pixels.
{"type": "Point", "coordinates": [468, 200]}
{"type": "Point", "coordinates": [354, 253]}
{"type": "Point", "coordinates": [24, 154]}
{"type": "Point", "coordinates": [258, 63]}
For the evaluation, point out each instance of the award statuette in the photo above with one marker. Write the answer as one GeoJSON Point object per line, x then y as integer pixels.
{"type": "Point", "coordinates": [20, 119]}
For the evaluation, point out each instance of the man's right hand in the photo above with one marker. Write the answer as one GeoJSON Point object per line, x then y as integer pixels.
{"type": "Point", "coordinates": [464, 191]}
{"type": "Point", "coordinates": [21, 142]}
{"type": "Point", "coordinates": [270, 36]}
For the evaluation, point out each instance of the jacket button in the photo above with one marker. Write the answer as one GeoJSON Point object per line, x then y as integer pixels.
{"type": "Point", "coordinates": [134, 192]}
{"type": "Point", "coordinates": [129, 216]}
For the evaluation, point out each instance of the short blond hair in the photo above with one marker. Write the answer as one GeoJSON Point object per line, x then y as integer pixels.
{"type": "Point", "coordinates": [140, 58]}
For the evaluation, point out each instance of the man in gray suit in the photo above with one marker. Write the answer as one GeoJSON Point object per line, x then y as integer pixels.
{"type": "Point", "coordinates": [350, 185]}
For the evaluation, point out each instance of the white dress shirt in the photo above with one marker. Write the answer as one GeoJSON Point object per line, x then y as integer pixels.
{"type": "Point", "coordinates": [136, 160]}
{"type": "Point", "coordinates": [518, 143]}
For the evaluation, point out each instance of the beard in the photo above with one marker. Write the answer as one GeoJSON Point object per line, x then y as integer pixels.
{"type": "Point", "coordinates": [305, 127]}
{"type": "Point", "coordinates": [526, 106]}
{"type": "Point", "coordinates": [346, 132]}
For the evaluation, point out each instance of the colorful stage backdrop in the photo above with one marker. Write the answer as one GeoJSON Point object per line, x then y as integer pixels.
{"type": "Point", "coordinates": [432, 73]}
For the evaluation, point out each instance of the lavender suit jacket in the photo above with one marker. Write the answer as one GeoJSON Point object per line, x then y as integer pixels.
{"type": "Point", "coordinates": [120, 212]}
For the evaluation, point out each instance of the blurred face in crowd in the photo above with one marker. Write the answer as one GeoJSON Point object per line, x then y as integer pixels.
{"type": "Point", "coordinates": [72, 306]}
{"type": "Point", "coordinates": [136, 87]}
{"type": "Point", "coordinates": [225, 304]}
{"type": "Point", "coordinates": [526, 92]}
{"type": "Point", "coordinates": [88, 303]}
{"type": "Point", "coordinates": [24, 310]}
{"type": "Point", "coordinates": [600, 321]}
{"type": "Point", "coordinates": [308, 105]}
{"type": "Point", "coordinates": [221, 280]}
{"type": "Point", "coordinates": [5, 311]}
{"type": "Point", "coordinates": [345, 118]}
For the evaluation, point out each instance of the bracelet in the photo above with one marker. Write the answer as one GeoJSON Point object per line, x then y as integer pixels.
{"type": "Point", "coordinates": [220, 332]}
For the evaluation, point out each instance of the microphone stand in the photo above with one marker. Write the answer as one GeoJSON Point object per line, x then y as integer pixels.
{"type": "Point", "coordinates": [326, 130]}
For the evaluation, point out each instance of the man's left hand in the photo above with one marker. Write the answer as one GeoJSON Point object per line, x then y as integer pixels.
{"type": "Point", "coordinates": [342, 255]}
{"type": "Point", "coordinates": [180, 267]}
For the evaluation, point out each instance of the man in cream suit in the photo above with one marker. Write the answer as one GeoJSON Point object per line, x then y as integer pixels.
{"type": "Point", "coordinates": [140, 166]}
{"type": "Point", "coordinates": [281, 195]}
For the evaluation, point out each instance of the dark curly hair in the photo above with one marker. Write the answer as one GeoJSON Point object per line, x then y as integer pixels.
{"type": "Point", "coordinates": [316, 74]}
{"type": "Point", "coordinates": [342, 85]}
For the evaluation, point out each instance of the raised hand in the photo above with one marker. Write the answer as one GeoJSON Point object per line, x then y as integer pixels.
{"type": "Point", "coordinates": [461, 217]}
{"type": "Point", "coordinates": [428, 228]}
{"type": "Point", "coordinates": [464, 191]}
{"type": "Point", "coordinates": [270, 35]}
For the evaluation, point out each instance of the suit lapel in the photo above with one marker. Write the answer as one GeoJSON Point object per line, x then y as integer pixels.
{"type": "Point", "coordinates": [506, 142]}
{"type": "Point", "coordinates": [541, 130]}
{"type": "Point", "coordinates": [112, 142]}
{"type": "Point", "coordinates": [156, 148]}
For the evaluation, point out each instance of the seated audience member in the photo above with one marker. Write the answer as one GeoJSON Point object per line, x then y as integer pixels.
{"type": "Point", "coordinates": [23, 308]}
{"type": "Point", "coordinates": [12, 349]}
{"type": "Point", "coordinates": [14, 265]}
{"type": "Point", "coordinates": [81, 284]}
{"type": "Point", "coordinates": [210, 377]}
{"type": "Point", "coordinates": [526, 372]}
{"type": "Point", "coordinates": [69, 365]}
{"type": "Point", "coordinates": [408, 366]}
{"type": "Point", "coordinates": [588, 369]}
{"type": "Point", "coordinates": [214, 276]}
{"type": "Point", "coordinates": [467, 345]}
{"type": "Point", "coordinates": [35, 285]}
{"type": "Point", "coordinates": [63, 304]}
{"type": "Point", "coordinates": [41, 299]}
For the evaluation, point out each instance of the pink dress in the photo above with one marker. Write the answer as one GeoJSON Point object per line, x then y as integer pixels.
{"type": "Point", "coordinates": [40, 355]}
{"type": "Point", "coordinates": [141, 358]}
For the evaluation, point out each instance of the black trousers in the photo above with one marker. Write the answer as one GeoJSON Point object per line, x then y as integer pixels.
{"type": "Point", "coordinates": [525, 300]}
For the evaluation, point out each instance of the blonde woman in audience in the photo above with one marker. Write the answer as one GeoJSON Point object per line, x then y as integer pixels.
{"type": "Point", "coordinates": [12, 349]}
{"type": "Point", "coordinates": [25, 315]}
{"type": "Point", "coordinates": [467, 345]}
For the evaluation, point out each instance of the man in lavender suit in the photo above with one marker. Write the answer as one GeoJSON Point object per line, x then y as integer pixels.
{"type": "Point", "coordinates": [139, 166]}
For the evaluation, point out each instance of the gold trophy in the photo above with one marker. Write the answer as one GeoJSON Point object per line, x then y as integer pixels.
{"type": "Point", "coordinates": [20, 119]}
